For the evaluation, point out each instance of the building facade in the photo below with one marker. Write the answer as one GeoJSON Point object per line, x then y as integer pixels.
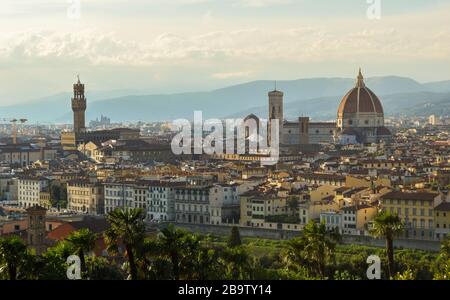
{"type": "Point", "coordinates": [192, 205]}
{"type": "Point", "coordinates": [30, 189]}
{"type": "Point", "coordinates": [224, 204]}
{"type": "Point", "coordinates": [415, 210]}
{"type": "Point", "coordinates": [85, 197]}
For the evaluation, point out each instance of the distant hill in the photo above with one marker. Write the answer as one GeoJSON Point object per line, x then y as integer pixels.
{"type": "Point", "coordinates": [316, 97]}
{"type": "Point", "coordinates": [325, 108]}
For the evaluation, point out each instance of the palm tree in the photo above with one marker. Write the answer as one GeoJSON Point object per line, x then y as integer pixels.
{"type": "Point", "coordinates": [388, 226]}
{"type": "Point", "coordinates": [171, 242]}
{"type": "Point", "coordinates": [315, 248]}
{"type": "Point", "coordinates": [83, 242]}
{"type": "Point", "coordinates": [13, 253]}
{"type": "Point", "coordinates": [127, 227]}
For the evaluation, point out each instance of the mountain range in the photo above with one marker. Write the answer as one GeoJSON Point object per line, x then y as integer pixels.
{"type": "Point", "coordinates": [316, 97]}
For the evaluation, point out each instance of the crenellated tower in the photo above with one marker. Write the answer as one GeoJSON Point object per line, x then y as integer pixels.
{"type": "Point", "coordinates": [78, 107]}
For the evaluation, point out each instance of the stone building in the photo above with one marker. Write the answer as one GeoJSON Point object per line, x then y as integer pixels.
{"type": "Point", "coordinates": [192, 204]}
{"type": "Point", "coordinates": [85, 197]}
{"type": "Point", "coordinates": [78, 107]}
{"type": "Point", "coordinates": [36, 232]}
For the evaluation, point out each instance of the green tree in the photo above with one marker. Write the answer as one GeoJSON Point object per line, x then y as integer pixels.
{"type": "Point", "coordinates": [235, 238]}
{"type": "Point", "coordinates": [83, 242]}
{"type": "Point", "coordinates": [58, 195]}
{"type": "Point", "coordinates": [388, 226]}
{"type": "Point", "coordinates": [52, 265]}
{"type": "Point", "coordinates": [441, 267]}
{"type": "Point", "coordinates": [408, 274]}
{"type": "Point", "coordinates": [171, 243]}
{"type": "Point", "coordinates": [99, 268]}
{"type": "Point", "coordinates": [314, 249]}
{"type": "Point", "coordinates": [13, 256]}
{"type": "Point", "coordinates": [127, 228]}
{"type": "Point", "coordinates": [237, 263]}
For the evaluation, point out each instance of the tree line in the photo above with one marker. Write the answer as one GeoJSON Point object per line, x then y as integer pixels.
{"type": "Point", "coordinates": [176, 254]}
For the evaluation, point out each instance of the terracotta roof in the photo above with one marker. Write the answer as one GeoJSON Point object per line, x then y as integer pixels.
{"type": "Point", "coordinates": [409, 196]}
{"type": "Point", "coordinates": [444, 206]}
{"type": "Point", "coordinates": [383, 131]}
{"type": "Point", "coordinates": [95, 225]}
{"type": "Point", "coordinates": [360, 99]}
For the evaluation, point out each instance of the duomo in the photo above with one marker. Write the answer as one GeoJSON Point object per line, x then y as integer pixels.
{"type": "Point", "coordinates": [360, 120]}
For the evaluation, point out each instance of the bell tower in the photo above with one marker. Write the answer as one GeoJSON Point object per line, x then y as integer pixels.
{"type": "Point", "coordinates": [276, 112]}
{"type": "Point", "coordinates": [78, 107]}
{"type": "Point", "coordinates": [36, 228]}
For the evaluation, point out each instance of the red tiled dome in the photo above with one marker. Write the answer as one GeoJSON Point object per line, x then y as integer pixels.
{"type": "Point", "coordinates": [360, 99]}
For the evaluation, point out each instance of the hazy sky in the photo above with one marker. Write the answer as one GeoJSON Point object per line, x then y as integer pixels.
{"type": "Point", "coordinates": [185, 45]}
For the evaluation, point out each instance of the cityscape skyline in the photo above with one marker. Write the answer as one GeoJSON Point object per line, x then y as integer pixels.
{"type": "Point", "coordinates": [195, 141]}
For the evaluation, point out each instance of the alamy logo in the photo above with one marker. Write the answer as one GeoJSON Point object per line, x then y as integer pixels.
{"type": "Point", "coordinates": [374, 9]}
{"type": "Point", "coordinates": [239, 137]}
{"type": "Point", "coordinates": [374, 270]}
{"type": "Point", "coordinates": [74, 9]}
{"type": "Point", "coordinates": [74, 269]}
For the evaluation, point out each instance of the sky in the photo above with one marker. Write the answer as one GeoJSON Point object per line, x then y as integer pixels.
{"type": "Point", "coordinates": [170, 46]}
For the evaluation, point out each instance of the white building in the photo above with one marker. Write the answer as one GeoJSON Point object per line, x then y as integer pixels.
{"type": "Point", "coordinates": [29, 190]}
{"type": "Point", "coordinates": [162, 200]}
{"type": "Point", "coordinates": [224, 204]}
{"type": "Point", "coordinates": [117, 195]}
{"type": "Point", "coordinates": [332, 220]}
{"type": "Point", "coordinates": [192, 204]}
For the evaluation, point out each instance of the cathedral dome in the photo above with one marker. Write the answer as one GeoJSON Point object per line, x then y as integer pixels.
{"type": "Point", "coordinates": [360, 99]}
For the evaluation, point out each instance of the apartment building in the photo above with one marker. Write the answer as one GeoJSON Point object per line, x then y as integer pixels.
{"type": "Point", "coordinates": [224, 204]}
{"type": "Point", "coordinates": [85, 197]}
{"type": "Point", "coordinates": [192, 204]}
{"type": "Point", "coordinates": [415, 209]}
{"type": "Point", "coordinates": [162, 200]}
{"type": "Point", "coordinates": [30, 189]}
{"type": "Point", "coordinates": [117, 195]}
{"type": "Point", "coordinates": [442, 221]}
{"type": "Point", "coordinates": [356, 218]}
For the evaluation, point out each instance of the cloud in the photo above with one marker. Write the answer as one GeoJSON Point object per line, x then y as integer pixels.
{"type": "Point", "coordinates": [231, 75]}
{"type": "Point", "coordinates": [306, 44]}
{"type": "Point", "coordinates": [261, 3]}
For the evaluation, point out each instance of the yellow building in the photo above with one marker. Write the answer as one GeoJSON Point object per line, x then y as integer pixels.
{"type": "Point", "coordinates": [415, 211]}
{"type": "Point", "coordinates": [355, 219]}
{"type": "Point", "coordinates": [355, 182]}
{"type": "Point", "coordinates": [44, 200]}
{"type": "Point", "coordinates": [89, 149]}
{"type": "Point", "coordinates": [263, 209]}
{"type": "Point", "coordinates": [323, 191]}
{"type": "Point", "coordinates": [442, 220]}
{"type": "Point", "coordinates": [68, 141]}
{"type": "Point", "coordinates": [85, 197]}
